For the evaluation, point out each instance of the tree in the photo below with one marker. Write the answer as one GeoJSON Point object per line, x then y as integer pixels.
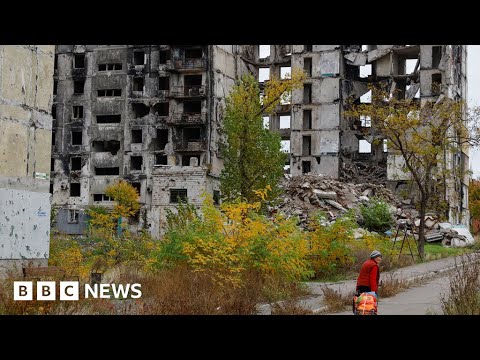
{"type": "Point", "coordinates": [426, 136]}
{"type": "Point", "coordinates": [252, 154]}
{"type": "Point", "coordinates": [474, 199]}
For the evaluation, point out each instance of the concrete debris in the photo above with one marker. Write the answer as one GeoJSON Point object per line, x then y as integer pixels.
{"type": "Point", "coordinates": [359, 172]}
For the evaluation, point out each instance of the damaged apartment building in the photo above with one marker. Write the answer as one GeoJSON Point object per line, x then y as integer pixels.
{"type": "Point", "coordinates": [151, 114]}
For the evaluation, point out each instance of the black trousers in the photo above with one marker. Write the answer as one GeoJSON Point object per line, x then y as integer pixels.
{"type": "Point", "coordinates": [362, 289]}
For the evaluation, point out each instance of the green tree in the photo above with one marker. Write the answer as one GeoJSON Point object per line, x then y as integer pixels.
{"type": "Point", "coordinates": [252, 154]}
{"type": "Point", "coordinates": [474, 198]}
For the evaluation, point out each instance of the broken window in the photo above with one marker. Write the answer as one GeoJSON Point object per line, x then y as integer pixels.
{"type": "Point", "coordinates": [366, 98]}
{"type": "Point", "coordinates": [140, 110]}
{"type": "Point", "coordinates": [75, 189]}
{"type": "Point", "coordinates": [78, 86]}
{"type": "Point", "coordinates": [161, 159]}
{"type": "Point", "coordinates": [55, 62]}
{"type": "Point", "coordinates": [263, 74]}
{"type": "Point", "coordinates": [364, 147]}
{"type": "Point", "coordinates": [54, 112]}
{"type": "Point", "coordinates": [77, 138]}
{"type": "Point", "coordinates": [137, 136]}
{"type": "Point", "coordinates": [137, 186]}
{"type": "Point", "coordinates": [78, 112]}
{"type": "Point", "coordinates": [193, 84]}
{"type": "Point", "coordinates": [111, 146]}
{"type": "Point", "coordinates": [53, 138]}
{"type": "Point", "coordinates": [306, 145]}
{"type": "Point", "coordinates": [79, 61]}
{"type": "Point", "coordinates": [436, 84]}
{"type": "Point", "coordinates": [263, 51]}
{"type": "Point", "coordinates": [109, 92]}
{"type": "Point", "coordinates": [307, 93]}
{"type": "Point", "coordinates": [139, 58]}
{"type": "Point", "coordinates": [164, 56]}
{"type": "Point", "coordinates": [138, 84]}
{"type": "Point", "coordinates": [76, 163]}
{"type": "Point", "coordinates": [266, 122]}
{"type": "Point", "coordinates": [410, 65]}
{"type": "Point", "coordinates": [163, 83]}
{"type": "Point", "coordinates": [110, 67]}
{"type": "Point", "coordinates": [192, 134]}
{"type": "Point", "coordinates": [385, 145]}
{"type": "Point", "coordinates": [55, 86]}
{"type": "Point", "coordinates": [109, 119]}
{"type": "Point", "coordinates": [286, 98]}
{"type": "Point", "coordinates": [365, 70]}
{"type": "Point", "coordinates": [51, 188]}
{"type": "Point", "coordinates": [216, 197]}
{"type": "Point", "coordinates": [306, 167]}
{"type": "Point", "coordinates": [307, 66]}
{"type": "Point", "coordinates": [191, 160]}
{"type": "Point", "coordinates": [177, 195]}
{"type": "Point", "coordinates": [307, 119]}
{"type": "Point", "coordinates": [107, 171]}
{"type": "Point", "coordinates": [366, 121]}
{"type": "Point", "coordinates": [308, 47]}
{"type": "Point", "coordinates": [192, 107]}
{"type": "Point", "coordinates": [364, 47]}
{"type": "Point", "coordinates": [161, 109]}
{"type": "Point", "coordinates": [193, 53]}
{"type": "Point", "coordinates": [436, 56]}
{"type": "Point", "coordinates": [285, 72]}
{"type": "Point", "coordinates": [136, 162]}
{"type": "Point", "coordinates": [101, 197]}
{"type": "Point", "coordinates": [285, 146]}
{"type": "Point", "coordinates": [162, 138]}
{"type": "Point", "coordinates": [52, 164]}
{"type": "Point", "coordinates": [284, 121]}
{"type": "Point", "coordinates": [72, 216]}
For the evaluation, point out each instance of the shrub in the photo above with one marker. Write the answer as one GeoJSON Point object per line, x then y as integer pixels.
{"type": "Point", "coordinates": [376, 215]}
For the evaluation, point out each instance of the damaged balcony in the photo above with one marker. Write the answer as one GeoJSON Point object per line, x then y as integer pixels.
{"type": "Point", "coordinates": [190, 146]}
{"type": "Point", "coordinates": [188, 118]}
{"type": "Point", "coordinates": [187, 64]}
{"type": "Point", "coordinates": [188, 91]}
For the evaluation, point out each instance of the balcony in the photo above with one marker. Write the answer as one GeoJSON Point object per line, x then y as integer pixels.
{"type": "Point", "coordinates": [187, 119]}
{"type": "Point", "coordinates": [190, 146]}
{"type": "Point", "coordinates": [188, 91]}
{"type": "Point", "coordinates": [189, 64]}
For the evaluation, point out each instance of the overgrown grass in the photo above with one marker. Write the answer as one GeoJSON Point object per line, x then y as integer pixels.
{"type": "Point", "coordinates": [336, 301]}
{"type": "Point", "coordinates": [436, 251]}
{"type": "Point", "coordinates": [391, 286]}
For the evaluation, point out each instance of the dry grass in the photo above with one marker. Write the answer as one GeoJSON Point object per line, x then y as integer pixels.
{"type": "Point", "coordinates": [391, 286]}
{"type": "Point", "coordinates": [336, 301]}
{"type": "Point", "coordinates": [464, 297]}
{"type": "Point", "coordinates": [289, 307]}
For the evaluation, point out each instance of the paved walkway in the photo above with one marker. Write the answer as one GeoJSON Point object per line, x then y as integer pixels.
{"type": "Point", "coordinates": [426, 270]}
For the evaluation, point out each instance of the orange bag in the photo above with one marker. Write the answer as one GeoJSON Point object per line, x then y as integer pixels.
{"type": "Point", "coordinates": [365, 304]}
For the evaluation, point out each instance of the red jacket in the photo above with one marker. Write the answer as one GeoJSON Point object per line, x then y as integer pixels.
{"type": "Point", "coordinates": [369, 275]}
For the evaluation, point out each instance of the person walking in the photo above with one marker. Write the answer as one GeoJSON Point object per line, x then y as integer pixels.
{"type": "Point", "coordinates": [369, 276]}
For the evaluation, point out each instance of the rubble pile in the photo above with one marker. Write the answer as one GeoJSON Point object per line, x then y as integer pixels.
{"type": "Point", "coordinates": [358, 171]}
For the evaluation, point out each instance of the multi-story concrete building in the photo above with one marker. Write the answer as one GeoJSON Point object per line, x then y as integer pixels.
{"type": "Point", "coordinates": [26, 82]}
{"type": "Point", "coordinates": [151, 114]}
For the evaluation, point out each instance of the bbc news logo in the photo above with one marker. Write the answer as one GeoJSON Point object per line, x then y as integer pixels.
{"type": "Point", "coordinates": [69, 291]}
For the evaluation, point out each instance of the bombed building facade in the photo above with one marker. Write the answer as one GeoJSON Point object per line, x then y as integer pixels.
{"type": "Point", "coordinates": [151, 114]}
{"type": "Point", "coordinates": [26, 82]}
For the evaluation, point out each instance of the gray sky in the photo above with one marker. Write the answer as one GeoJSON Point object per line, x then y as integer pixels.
{"type": "Point", "coordinates": [473, 78]}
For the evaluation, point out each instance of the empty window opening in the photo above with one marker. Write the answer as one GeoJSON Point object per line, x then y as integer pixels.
{"type": "Point", "coordinates": [193, 53]}
{"type": "Point", "coordinates": [137, 186]}
{"type": "Point", "coordinates": [72, 216]}
{"type": "Point", "coordinates": [78, 112]}
{"type": "Point", "coordinates": [111, 146]}
{"type": "Point", "coordinates": [308, 47]}
{"type": "Point", "coordinates": [263, 51]}
{"type": "Point", "coordinates": [365, 71]}
{"type": "Point", "coordinates": [54, 112]}
{"type": "Point", "coordinates": [306, 145]}
{"type": "Point", "coordinates": [284, 121]}
{"type": "Point", "coordinates": [286, 98]}
{"type": "Point", "coordinates": [286, 168]}
{"type": "Point", "coordinates": [191, 160]}
{"type": "Point", "coordinates": [307, 66]}
{"type": "Point", "coordinates": [109, 92]}
{"type": "Point", "coordinates": [366, 98]}
{"type": "Point", "coordinates": [162, 138]}
{"type": "Point", "coordinates": [216, 197]}
{"type": "Point", "coordinates": [364, 47]}
{"type": "Point", "coordinates": [140, 110]}
{"type": "Point", "coordinates": [137, 136]}
{"type": "Point", "coordinates": [410, 65]}
{"type": "Point", "coordinates": [306, 167]}
{"type": "Point", "coordinates": [307, 119]}
{"type": "Point", "coordinates": [436, 56]}
{"type": "Point", "coordinates": [163, 83]}
{"type": "Point", "coordinates": [78, 86]}
{"type": "Point", "coordinates": [52, 164]}
{"type": "Point", "coordinates": [177, 195]}
{"type": "Point", "coordinates": [193, 83]}
{"type": "Point", "coordinates": [77, 138]}
{"type": "Point", "coordinates": [138, 58]}
{"type": "Point", "coordinates": [285, 146]}
{"type": "Point", "coordinates": [285, 72]}
{"type": "Point", "coordinates": [192, 107]}
{"type": "Point", "coordinates": [110, 67]}
{"type": "Point", "coordinates": [161, 109]}
{"type": "Point", "coordinates": [51, 188]}
{"type": "Point", "coordinates": [307, 93]}
{"type": "Point", "coordinates": [136, 162]}
{"type": "Point", "coordinates": [76, 163]}
{"type": "Point", "coordinates": [266, 122]}
{"type": "Point", "coordinates": [55, 62]}
{"type": "Point", "coordinates": [75, 189]}
{"type": "Point", "coordinates": [138, 84]}
{"type": "Point", "coordinates": [436, 83]}
{"type": "Point", "coordinates": [192, 134]}
{"type": "Point", "coordinates": [161, 159]}
{"type": "Point", "coordinates": [164, 56]}
{"type": "Point", "coordinates": [101, 197]}
{"type": "Point", "coordinates": [55, 86]}
{"type": "Point", "coordinates": [263, 74]}
{"type": "Point", "coordinates": [53, 138]}
{"type": "Point", "coordinates": [107, 171]}
{"type": "Point", "coordinates": [385, 145]}
{"type": "Point", "coordinates": [366, 121]}
{"type": "Point", "coordinates": [79, 61]}
{"type": "Point", "coordinates": [364, 147]}
{"type": "Point", "coordinates": [109, 119]}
